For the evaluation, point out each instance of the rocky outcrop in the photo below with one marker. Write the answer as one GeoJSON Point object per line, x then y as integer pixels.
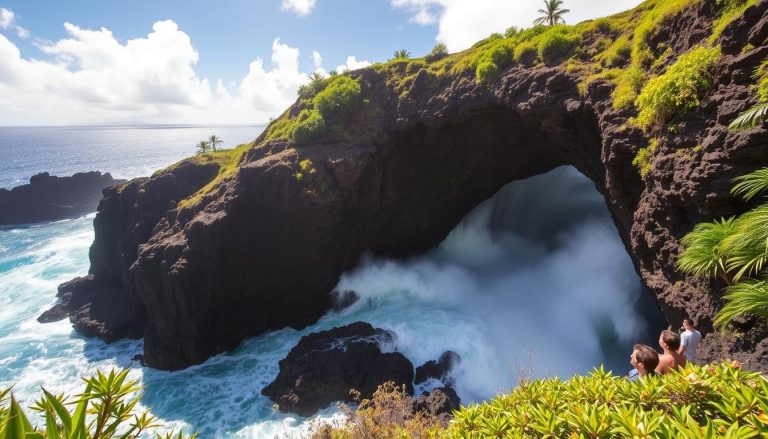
{"type": "Point", "coordinates": [50, 198]}
{"type": "Point", "coordinates": [440, 402]}
{"type": "Point", "coordinates": [438, 370]}
{"type": "Point", "coordinates": [324, 366]}
{"type": "Point", "coordinates": [264, 248]}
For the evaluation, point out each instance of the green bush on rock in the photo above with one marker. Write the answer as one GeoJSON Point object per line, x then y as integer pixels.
{"type": "Point", "coordinates": [339, 98]}
{"type": "Point", "coordinates": [525, 53]}
{"type": "Point", "coordinates": [311, 127]}
{"type": "Point", "coordinates": [487, 71]}
{"type": "Point", "coordinates": [678, 89]}
{"type": "Point", "coordinates": [557, 42]}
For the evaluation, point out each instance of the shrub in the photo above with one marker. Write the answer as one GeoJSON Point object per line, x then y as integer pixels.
{"type": "Point", "coordinates": [525, 53]}
{"type": "Point", "coordinates": [678, 89]}
{"type": "Point", "coordinates": [501, 54]}
{"type": "Point", "coordinates": [310, 128]}
{"type": "Point", "coordinates": [339, 99]}
{"type": "Point", "coordinates": [762, 81]}
{"type": "Point", "coordinates": [315, 86]}
{"type": "Point", "coordinates": [511, 31]}
{"type": "Point", "coordinates": [437, 52]}
{"type": "Point", "coordinates": [556, 43]}
{"type": "Point", "coordinates": [102, 411]}
{"type": "Point", "coordinates": [414, 66]}
{"type": "Point", "coordinates": [643, 161]}
{"type": "Point", "coordinates": [486, 71]}
{"type": "Point", "coordinates": [697, 401]}
{"type": "Point", "coordinates": [627, 86]}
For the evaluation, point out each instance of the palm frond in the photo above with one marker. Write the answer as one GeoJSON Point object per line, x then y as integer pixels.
{"type": "Point", "coordinates": [747, 247]}
{"type": "Point", "coordinates": [744, 298]}
{"type": "Point", "coordinates": [750, 185]}
{"type": "Point", "coordinates": [703, 253]}
{"type": "Point", "coordinates": [750, 118]}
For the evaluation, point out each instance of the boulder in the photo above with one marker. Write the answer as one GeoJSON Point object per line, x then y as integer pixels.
{"type": "Point", "coordinates": [440, 402]}
{"type": "Point", "coordinates": [439, 369]}
{"type": "Point", "coordinates": [324, 366]}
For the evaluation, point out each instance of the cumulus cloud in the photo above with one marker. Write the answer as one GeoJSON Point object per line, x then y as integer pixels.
{"type": "Point", "coordinates": [8, 20]}
{"type": "Point", "coordinates": [91, 77]}
{"type": "Point", "coordinates": [462, 23]}
{"type": "Point", "coordinates": [352, 64]}
{"type": "Point", "coordinates": [299, 7]}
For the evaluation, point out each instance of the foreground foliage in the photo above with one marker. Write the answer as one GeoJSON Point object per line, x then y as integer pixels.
{"type": "Point", "coordinates": [714, 401]}
{"type": "Point", "coordinates": [106, 409]}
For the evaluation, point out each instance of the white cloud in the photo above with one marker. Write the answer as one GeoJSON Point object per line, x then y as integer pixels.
{"type": "Point", "coordinates": [7, 21]}
{"type": "Point", "coordinates": [93, 78]}
{"type": "Point", "coordinates": [461, 23]}
{"type": "Point", "coordinates": [6, 18]}
{"type": "Point", "coordinates": [352, 64]}
{"type": "Point", "coordinates": [317, 59]}
{"type": "Point", "coordinates": [299, 7]}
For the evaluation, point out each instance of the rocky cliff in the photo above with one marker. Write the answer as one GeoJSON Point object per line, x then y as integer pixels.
{"type": "Point", "coordinates": [50, 198]}
{"type": "Point", "coordinates": [209, 253]}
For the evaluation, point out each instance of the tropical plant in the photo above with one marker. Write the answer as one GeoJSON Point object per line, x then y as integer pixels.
{"type": "Point", "coordinates": [736, 250]}
{"type": "Point", "coordinates": [316, 84]}
{"type": "Point", "coordinates": [401, 54]}
{"type": "Point", "coordinates": [750, 118]}
{"type": "Point", "coordinates": [439, 51]}
{"type": "Point", "coordinates": [213, 141]}
{"type": "Point", "coordinates": [105, 410]}
{"type": "Point", "coordinates": [203, 147]}
{"type": "Point", "coordinates": [552, 14]}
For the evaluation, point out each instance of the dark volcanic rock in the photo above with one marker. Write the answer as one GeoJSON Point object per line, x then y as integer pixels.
{"type": "Point", "coordinates": [263, 248]}
{"type": "Point", "coordinates": [326, 365]}
{"type": "Point", "coordinates": [439, 369]}
{"type": "Point", "coordinates": [440, 402]}
{"type": "Point", "coordinates": [49, 198]}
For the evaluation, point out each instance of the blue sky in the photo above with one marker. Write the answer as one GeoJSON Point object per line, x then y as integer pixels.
{"type": "Point", "coordinates": [235, 61]}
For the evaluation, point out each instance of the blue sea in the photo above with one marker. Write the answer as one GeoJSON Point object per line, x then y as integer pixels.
{"type": "Point", "coordinates": [535, 277]}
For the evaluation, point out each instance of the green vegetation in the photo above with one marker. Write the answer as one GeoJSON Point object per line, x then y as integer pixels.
{"type": "Point", "coordinates": [228, 161]}
{"type": "Point", "coordinates": [643, 161]}
{"type": "Point", "coordinates": [552, 13]}
{"type": "Point", "coordinates": [677, 90]}
{"type": "Point", "coordinates": [694, 402]}
{"type": "Point", "coordinates": [525, 53]}
{"type": "Point", "coordinates": [557, 42]}
{"type": "Point", "coordinates": [731, 9]}
{"type": "Point", "coordinates": [487, 71]}
{"type": "Point", "coordinates": [203, 147]}
{"type": "Point", "coordinates": [339, 99]}
{"type": "Point", "coordinates": [214, 141]}
{"type": "Point", "coordinates": [438, 52]}
{"type": "Point", "coordinates": [617, 53]}
{"type": "Point", "coordinates": [735, 250]}
{"type": "Point", "coordinates": [750, 118]}
{"type": "Point", "coordinates": [311, 126]}
{"type": "Point", "coordinates": [401, 54]}
{"type": "Point", "coordinates": [105, 410]}
{"type": "Point", "coordinates": [316, 83]}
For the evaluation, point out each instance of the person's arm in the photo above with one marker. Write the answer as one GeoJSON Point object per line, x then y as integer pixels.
{"type": "Point", "coordinates": [683, 345]}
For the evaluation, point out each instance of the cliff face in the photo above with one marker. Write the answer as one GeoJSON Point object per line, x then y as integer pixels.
{"type": "Point", "coordinates": [261, 247]}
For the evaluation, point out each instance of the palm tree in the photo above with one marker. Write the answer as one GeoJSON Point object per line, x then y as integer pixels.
{"type": "Point", "coordinates": [203, 147]}
{"type": "Point", "coordinates": [704, 253]}
{"type": "Point", "coordinates": [213, 141]}
{"type": "Point", "coordinates": [552, 14]}
{"type": "Point", "coordinates": [402, 53]}
{"type": "Point", "coordinates": [748, 297]}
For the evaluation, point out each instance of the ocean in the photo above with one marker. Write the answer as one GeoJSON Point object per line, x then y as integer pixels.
{"type": "Point", "coordinates": [536, 276]}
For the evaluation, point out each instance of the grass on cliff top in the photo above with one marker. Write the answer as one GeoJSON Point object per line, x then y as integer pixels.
{"type": "Point", "coordinates": [228, 161]}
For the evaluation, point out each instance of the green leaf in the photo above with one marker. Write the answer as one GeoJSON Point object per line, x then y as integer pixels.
{"type": "Point", "coordinates": [17, 424]}
{"type": "Point", "coordinates": [750, 118]}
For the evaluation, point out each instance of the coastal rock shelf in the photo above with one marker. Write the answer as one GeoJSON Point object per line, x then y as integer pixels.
{"type": "Point", "coordinates": [208, 253]}
{"type": "Point", "coordinates": [51, 198]}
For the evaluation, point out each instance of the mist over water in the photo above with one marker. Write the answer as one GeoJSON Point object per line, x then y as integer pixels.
{"type": "Point", "coordinates": [536, 276]}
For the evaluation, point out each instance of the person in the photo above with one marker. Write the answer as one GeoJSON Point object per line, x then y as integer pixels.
{"type": "Point", "coordinates": [689, 340]}
{"type": "Point", "coordinates": [670, 359]}
{"type": "Point", "coordinates": [644, 359]}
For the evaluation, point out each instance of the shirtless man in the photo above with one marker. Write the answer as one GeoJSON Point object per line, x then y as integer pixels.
{"type": "Point", "coordinates": [670, 359]}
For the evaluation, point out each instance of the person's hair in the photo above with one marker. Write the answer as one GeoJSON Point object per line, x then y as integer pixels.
{"type": "Point", "coordinates": [648, 356]}
{"type": "Point", "coordinates": [671, 339]}
{"type": "Point", "coordinates": [689, 321]}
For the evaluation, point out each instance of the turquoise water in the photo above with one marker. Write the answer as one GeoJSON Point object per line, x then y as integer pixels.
{"type": "Point", "coordinates": [535, 276]}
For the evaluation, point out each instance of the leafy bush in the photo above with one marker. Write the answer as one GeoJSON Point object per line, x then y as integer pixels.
{"type": "Point", "coordinates": [525, 53]}
{"type": "Point", "coordinates": [414, 66]}
{"type": "Point", "coordinates": [104, 410]}
{"type": "Point", "coordinates": [339, 99]}
{"type": "Point", "coordinates": [697, 401]}
{"type": "Point", "coordinates": [487, 71]}
{"type": "Point", "coordinates": [761, 75]}
{"type": "Point", "coordinates": [731, 10]}
{"type": "Point", "coordinates": [643, 161]}
{"type": "Point", "coordinates": [556, 43]}
{"type": "Point", "coordinates": [678, 89]}
{"type": "Point", "coordinates": [511, 31]}
{"type": "Point", "coordinates": [437, 52]}
{"type": "Point", "coordinates": [500, 54]}
{"type": "Point", "coordinates": [316, 85]}
{"type": "Point", "coordinates": [311, 127]}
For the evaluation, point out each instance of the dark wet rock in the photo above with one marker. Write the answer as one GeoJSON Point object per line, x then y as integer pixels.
{"type": "Point", "coordinates": [50, 198]}
{"type": "Point", "coordinates": [56, 313]}
{"type": "Point", "coordinates": [440, 402]}
{"type": "Point", "coordinates": [324, 366]}
{"type": "Point", "coordinates": [263, 249]}
{"type": "Point", "coordinates": [439, 370]}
